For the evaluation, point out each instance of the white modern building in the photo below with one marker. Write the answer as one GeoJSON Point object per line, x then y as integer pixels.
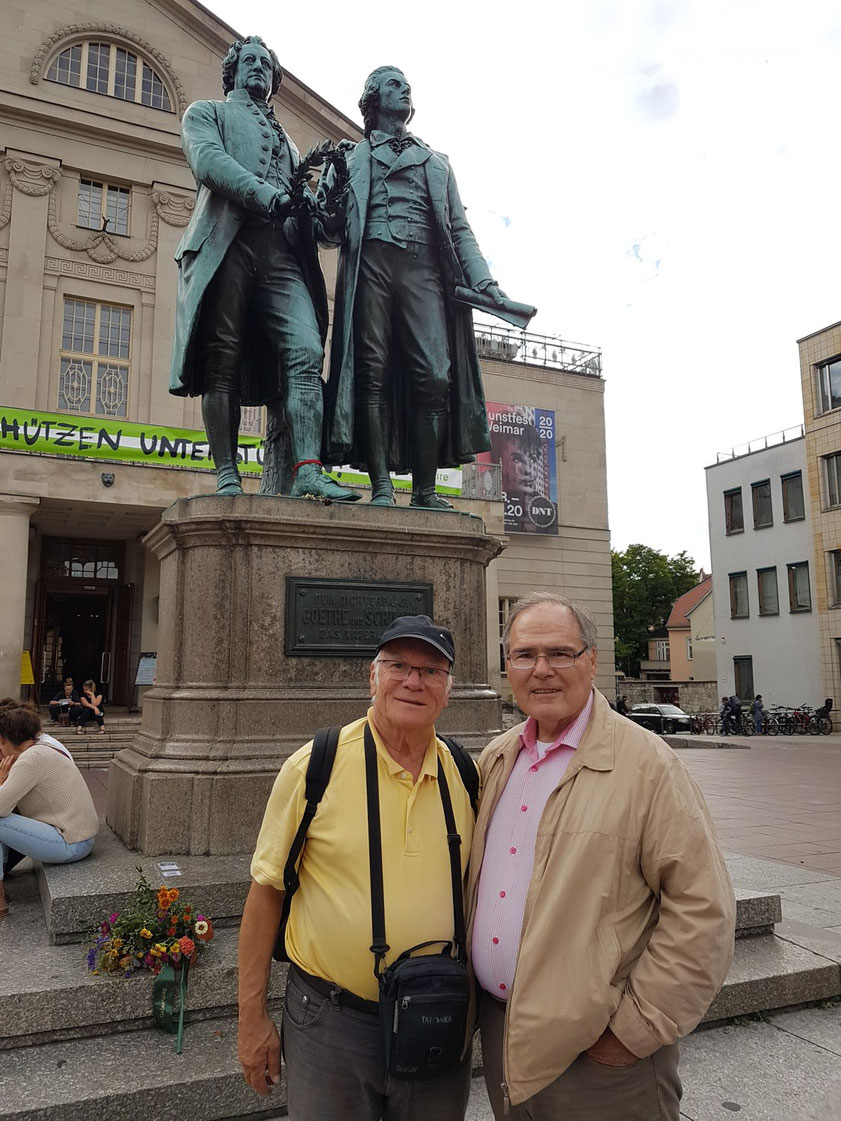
{"type": "Point", "coordinates": [764, 571]}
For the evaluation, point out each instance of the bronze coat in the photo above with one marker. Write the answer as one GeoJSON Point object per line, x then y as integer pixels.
{"type": "Point", "coordinates": [224, 145]}
{"type": "Point", "coordinates": [461, 263]}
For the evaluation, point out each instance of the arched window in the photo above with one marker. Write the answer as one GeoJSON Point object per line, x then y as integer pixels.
{"type": "Point", "coordinates": [110, 69]}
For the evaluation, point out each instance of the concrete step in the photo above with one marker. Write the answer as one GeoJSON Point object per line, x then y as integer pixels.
{"type": "Point", "coordinates": [49, 996]}
{"type": "Point", "coordinates": [133, 1078]}
{"type": "Point", "coordinates": [756, 913]}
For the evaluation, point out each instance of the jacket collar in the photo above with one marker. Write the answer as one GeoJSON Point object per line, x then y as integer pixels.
{"type": "Point", "coordinates": [597, 747]}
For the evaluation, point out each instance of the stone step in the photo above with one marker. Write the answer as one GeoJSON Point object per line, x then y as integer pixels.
{"type": "Point", "coordinates": [133, 1078]}
{"type": "Point", "coordinates": [771, 972]}
{"type": "Point", "coordinates": [756, 912]}
{"type": "Point", "coordinates": [76, 897]}
{"type": "Point", "coordinates": [49, 996]}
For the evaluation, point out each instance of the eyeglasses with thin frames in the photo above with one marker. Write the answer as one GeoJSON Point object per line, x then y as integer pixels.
{"type": "Point", "coordinates": [404, 670]}
{"type": "Point", "coordinates": [557, 659]}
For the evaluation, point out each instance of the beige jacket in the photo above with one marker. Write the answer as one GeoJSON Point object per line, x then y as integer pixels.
{"type": "Point", "coordinates": [630, 915]}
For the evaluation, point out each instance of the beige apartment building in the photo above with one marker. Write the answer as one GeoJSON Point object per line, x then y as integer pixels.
{"type": "Point", "coordinates": [94, 197]}
{"type": "Point", "coordinates": [820, 374]}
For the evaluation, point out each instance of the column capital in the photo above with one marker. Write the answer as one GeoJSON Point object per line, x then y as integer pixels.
{"type": "Point", "coordinates": [18, 505]}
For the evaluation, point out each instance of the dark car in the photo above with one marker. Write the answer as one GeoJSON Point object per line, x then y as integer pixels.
{"type": "Point", "coordinates": [664, 719]}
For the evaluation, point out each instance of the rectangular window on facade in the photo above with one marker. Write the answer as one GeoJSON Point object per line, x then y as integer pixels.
{"type": "Point", "coordinates": [734, 520]}
{"type": "Point", "coordinates": [103, 207]}
{"type": "Point", "coordinates": [661, 650]}
{"type": "Point", "coordinates": [739, 607]}
{"type": "Point", "coordinates": [835, 577]}
{"type": "Point", "coordinates": [799, 593]}
{"type": "Point", "coordinates": [832, 473]}
{"type": "Point", "coordinates": [763, 514]}
{"type": "Point", "coordinates": [689, 649]}
{"type": "Point", "coordinates": [95, 358]}
{"type": "Point", "coordinates": [792, 487]}
{"type": "Point", "coordinates": [769, 600]}
{"type": "Point", "coordinates": [743, 677]}
{"type": "Point", "coordinates": [505, 605]}
{"type": "Point", "coordinates": [829, 385]}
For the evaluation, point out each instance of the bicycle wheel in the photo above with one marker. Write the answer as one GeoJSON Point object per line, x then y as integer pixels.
{"type": "Point", "coordinates": [747, 725]}
{"type": "Point", "coordinates": [772, 726]}
{"type": "Point", "coordinates": [826, 725]}
{"type": "Point", "coordinates": [814, 725]}
{"type": "Point", "coordinates": [709, 725]}
{"type": "Point", "coordinates": [718, 728]}
{"type": "Point", "coordinates": [802, 724]}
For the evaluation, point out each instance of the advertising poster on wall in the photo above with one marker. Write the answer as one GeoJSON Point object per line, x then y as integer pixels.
{"type": "Point", "coordinates": [523, 442]}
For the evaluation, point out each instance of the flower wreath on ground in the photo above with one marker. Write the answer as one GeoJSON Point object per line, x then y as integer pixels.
{"type": "Point", "coordinates": [155, 929]}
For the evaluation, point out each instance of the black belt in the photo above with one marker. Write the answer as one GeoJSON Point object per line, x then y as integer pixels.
{"type": "Point", "coordinates": [340, 997]}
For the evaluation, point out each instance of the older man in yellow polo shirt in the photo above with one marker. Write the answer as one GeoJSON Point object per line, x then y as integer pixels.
{"type": "Point", "coordinates": [332, 1043]}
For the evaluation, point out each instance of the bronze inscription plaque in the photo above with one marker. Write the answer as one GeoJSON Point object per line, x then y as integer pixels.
{"type": "Point", "coordinates": [345, 618]}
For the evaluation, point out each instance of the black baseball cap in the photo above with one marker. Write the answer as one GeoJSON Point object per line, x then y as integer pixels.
{"type": "Point", "coordinates": [423, 628]}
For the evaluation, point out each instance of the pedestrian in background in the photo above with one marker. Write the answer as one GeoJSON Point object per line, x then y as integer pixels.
{"type": "Point", "coordinates": [758, 711]}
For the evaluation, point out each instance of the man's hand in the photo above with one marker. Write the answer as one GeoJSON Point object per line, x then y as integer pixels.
{"type": "Point", "coordinates": [281, 205]}
{"type": "Point", "coordinates": [258, 1050]}
{"type": "Point", "coordinates": [496, 293]}
{"type": "Point", "coordinates": [5, 766]}
{"type": "Point", "coordinates": [609, 1052]}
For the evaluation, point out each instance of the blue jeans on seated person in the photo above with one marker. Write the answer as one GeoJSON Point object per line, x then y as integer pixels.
{"type": "Point", "coordinates": [40, 841]}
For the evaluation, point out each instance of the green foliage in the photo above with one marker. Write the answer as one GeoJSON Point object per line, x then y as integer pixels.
{"type": "Point", "coordinates": [645, 586]}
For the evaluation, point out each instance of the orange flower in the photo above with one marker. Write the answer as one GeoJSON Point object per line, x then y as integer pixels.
{"type": "Point", "coordinates": [173, 895]}
{"type": "Point", "coordinates": [188, 947]}
{"type": "Point", "coordinates": [171, 931]}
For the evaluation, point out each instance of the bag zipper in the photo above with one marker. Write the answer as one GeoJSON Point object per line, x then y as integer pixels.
{"type": "Point", "coordinates": [506, 1103]}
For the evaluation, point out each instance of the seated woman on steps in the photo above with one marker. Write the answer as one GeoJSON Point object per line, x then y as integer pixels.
{"type": "Point", "coordinates": [91, 708]}
{"type": "Point", "coordinates": [46, 810]}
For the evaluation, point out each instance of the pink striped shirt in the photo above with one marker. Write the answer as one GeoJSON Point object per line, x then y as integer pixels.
{"type": "Point", "coordinates": [509, 851]}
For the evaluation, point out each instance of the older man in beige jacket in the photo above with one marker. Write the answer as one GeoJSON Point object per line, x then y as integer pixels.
{"type": "Point", "coordinates": [602, 915]}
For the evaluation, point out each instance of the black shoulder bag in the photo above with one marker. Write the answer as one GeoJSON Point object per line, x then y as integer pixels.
{"type": "Point", "coordinates": [423, 1000]}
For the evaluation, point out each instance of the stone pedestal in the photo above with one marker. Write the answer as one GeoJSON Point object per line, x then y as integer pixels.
{"type": "Point", "coordinates": [229, 703]}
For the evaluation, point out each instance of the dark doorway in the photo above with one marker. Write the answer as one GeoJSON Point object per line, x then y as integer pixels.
{"type": "Point", "coordinates": [75, 635]}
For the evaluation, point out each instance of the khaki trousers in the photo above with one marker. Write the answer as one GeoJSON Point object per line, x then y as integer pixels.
{"type": "Point", "coordinates": [586, 1091]}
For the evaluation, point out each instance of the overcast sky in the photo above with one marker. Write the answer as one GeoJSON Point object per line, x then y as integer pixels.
{"type": "Point", "coordinates": [660, 177]}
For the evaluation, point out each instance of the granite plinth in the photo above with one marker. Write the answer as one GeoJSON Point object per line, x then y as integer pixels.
{"type": "Point", "coordinates": [756, 913]}
{"type": "Point", "coordinates": [229, 704]}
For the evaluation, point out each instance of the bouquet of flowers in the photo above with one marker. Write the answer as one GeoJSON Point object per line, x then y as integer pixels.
{"type": "Point", "coordinates": [156, 929]}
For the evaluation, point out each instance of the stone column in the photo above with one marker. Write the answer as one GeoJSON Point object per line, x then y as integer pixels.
{"type": "Point", "coordinates": [237, 692]}
{"type": "Point", "coordinates": [14, 533]}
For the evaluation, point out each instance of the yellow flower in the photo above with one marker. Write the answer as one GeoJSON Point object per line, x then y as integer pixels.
{"type": "Point", "coordinates": [144, 933]}
{"type": "Point", "coordinates": [175, 947]}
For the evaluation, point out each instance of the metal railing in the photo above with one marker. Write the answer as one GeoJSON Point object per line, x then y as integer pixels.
{"type": "Point", "coordinates": [784, 437]}
{"type": "Point", "coordinates": [507, 344]}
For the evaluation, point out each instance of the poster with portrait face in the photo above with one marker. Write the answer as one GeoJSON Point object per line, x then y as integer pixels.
{"type": "Point", "coordinates": [523, 442]}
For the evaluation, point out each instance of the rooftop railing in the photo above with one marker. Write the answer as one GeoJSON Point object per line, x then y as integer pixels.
{"type": "Point", "coordinates": [784, 437]}
{"type": "Point", "coordinates": [507, 344]}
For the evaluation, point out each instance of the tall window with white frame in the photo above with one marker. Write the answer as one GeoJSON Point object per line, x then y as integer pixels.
{"type": "Point", "coordinates": [769, 599]}
{"type": "Point", "coordinates": [835, 577]}
{"type": "Point", "coordinates": [828, 385]}
{"type": "Point", "coordinates": [734, 518]}
{"type": "Point", "coordinates": [739, 603]}
{"type": "Point", "coordinates": [799, 592]}
{"type": "Point", "coordinates": [794, 509]}
{"type": "Point", "coordinates": [102, 206]}
{"type": "Point", "coordinates": [95, 358]}
{"type": "Point", "coordinates": [110, 69]}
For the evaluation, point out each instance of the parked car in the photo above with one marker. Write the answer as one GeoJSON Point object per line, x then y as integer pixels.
{"type": "Point", "coordinates": [664, 719]}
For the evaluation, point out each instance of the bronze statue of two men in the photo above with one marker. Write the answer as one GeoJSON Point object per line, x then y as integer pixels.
{"type": "Point", "coordinates": [404, 391]}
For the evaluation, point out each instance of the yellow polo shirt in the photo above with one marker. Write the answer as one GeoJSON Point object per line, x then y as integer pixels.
{"type": "Point", "coordinates": [329, 931]}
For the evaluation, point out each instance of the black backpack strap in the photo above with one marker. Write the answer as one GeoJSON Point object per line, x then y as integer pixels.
{"type": "Point", "coordinates": [379, 946]}
{"type": "Point", "coordinates": [454, 845]}
{"type": "Point", "coordinates": [320, 766]}
{"type": "Point", "coordinates": [466, 768]}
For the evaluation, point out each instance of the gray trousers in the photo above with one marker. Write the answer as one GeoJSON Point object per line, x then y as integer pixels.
{"type": "Point", "coordinates": [335, 1067]}
{"type": "Point", "coordinates": [586, 1091]}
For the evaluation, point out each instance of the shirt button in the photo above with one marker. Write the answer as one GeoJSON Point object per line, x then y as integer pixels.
{"type": "Point", "coordinates": [411, 828]}
{"type": "Point", "coordinates": [503, 986]}
{"type": "Point", "coordinates": [502, 895]}
{"type": "Point", "coordinates": [265, 147]}
{"type": "Point", "coordinates": [404, 774]}
{"type": "Point", "coordinates": [266, 134]}
{"type": "Point", "coordinates": [512, 851]}
{"type": "Point", "coordinates": [495, 941]}
{"type": "Point", "coordinates": [534, 766]}
{"type": "Point", "coordinates": [524, 808]}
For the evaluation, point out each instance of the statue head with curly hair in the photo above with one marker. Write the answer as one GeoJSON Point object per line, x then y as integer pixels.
{"type": "Point", "coordinates": [230, 65]}
{"type": "Point", "coordinates": [369, 103]}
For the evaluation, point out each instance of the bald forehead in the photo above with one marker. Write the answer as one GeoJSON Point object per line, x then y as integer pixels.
{"type": "Point", "coordinates": [551, 621]}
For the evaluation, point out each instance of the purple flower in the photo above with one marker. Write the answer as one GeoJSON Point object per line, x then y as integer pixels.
{"type": "Point", "coordinates": [92, 958]}
{"type": "Point", "coordinates": [113, 918]}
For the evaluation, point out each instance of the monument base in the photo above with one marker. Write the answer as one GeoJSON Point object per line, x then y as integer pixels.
{"type": "Point", "coordinates": [269, 612]}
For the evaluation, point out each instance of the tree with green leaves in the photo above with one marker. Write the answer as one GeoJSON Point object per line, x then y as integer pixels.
{"type": "Point", "coordinates": [646, 584]}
